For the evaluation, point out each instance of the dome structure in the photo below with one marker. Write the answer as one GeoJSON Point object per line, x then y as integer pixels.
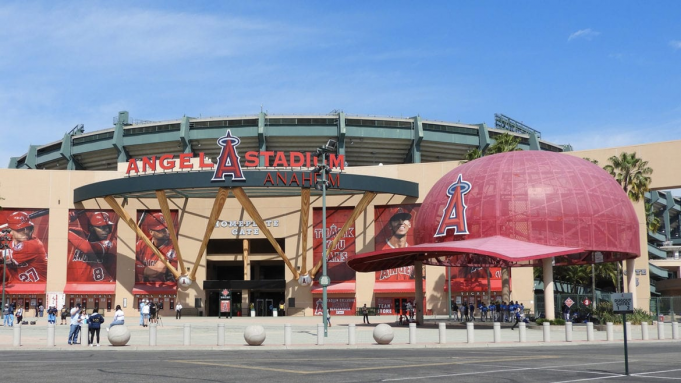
{"type": "Point", "coordinates": [515, 209]}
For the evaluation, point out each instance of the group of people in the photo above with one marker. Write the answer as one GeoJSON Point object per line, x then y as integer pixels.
{"type": "Point", "coordinates": [498, 311]}
{"type": "Point", "coordinates": [149, 312]}
{"type": "Point", "coordinates": [79, 317]}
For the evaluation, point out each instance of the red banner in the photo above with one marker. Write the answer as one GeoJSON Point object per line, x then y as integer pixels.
{"type": "Point", "coordinates": [23, 241]}
{"type": "Point", "coordinates": [92, 248]}
{"type": "Point", "coordinates": [148, 268]}
{"type": "Point", "coordinates": [337, 267]}
{"type": "Point", "coordinates": [393, 228]}
{"type": "Point", "coordinates": [337, 306]}
{"type": "Point", "coordinates": [225, 306]}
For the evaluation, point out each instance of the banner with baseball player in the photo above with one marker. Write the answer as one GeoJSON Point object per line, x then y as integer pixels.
{"type": "Point", "coordinates": [23, 243]}
{"type": "Point", "coordinates": [92, 247]}
{"type": "Point", "coordinates": [337, 266]}
{"type": "Point", "coordinates": [149, 270]}
{"type": "Point", "coordinates": [393, 228]}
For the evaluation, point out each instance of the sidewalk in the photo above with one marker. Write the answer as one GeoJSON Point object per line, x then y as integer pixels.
{"type": "Point", "coordinates": [204, 334]}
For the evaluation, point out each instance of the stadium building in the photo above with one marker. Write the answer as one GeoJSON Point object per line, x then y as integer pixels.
{"type": "Point", "coordinates": [232, 206]}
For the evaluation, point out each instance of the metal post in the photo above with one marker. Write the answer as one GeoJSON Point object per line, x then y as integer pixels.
{"type": "Point", "coordinates": [2, 304]}
{"type": "Point", "coordinates": [449, 290]}
{"type": "Point", "coordinates": [626, 355]}
{"type": "Point", "coordinates": [324, 296]}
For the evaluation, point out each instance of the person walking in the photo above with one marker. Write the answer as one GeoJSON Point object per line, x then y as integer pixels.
{"type": "Point", "coordinates": [365, 314]}
{"type": "Point", "coordinates": [64, 313]}
{"type": "Point", "coordinates": [141, 307]}
{"type": "Point", "coordinates": [9, 316]}
{"type": "Point", "coordinates": [566, 312]}
{"type": "Point", "coordinates": [75, 324]}
{"type": "Point", "coordinates": [20, 315]}
{"type": "Point", "coordinates": [178, 311]}
{"type": "Point", "coordinates": [118, 319]}
{"type": "Point", "coordinates": [455, 310]}
{"type": "Point", "coordinates": [517, 318]}
{"type": "Point", "coordinates": [145, 312]}
{"type": "Point", "coordinates": [328, 316]}
{"type": "Point", "coordinates": [94, 325]}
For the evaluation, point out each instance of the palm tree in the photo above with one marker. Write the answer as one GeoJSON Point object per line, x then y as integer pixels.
{"type": "Point", "coordinates": [632, 173]}
{"type": "Point", "coordinates": [595, 162]}
{"type": "Point", "coordinates": [653, 222]}
{"type": "Point", "coordinates": [502, 143]}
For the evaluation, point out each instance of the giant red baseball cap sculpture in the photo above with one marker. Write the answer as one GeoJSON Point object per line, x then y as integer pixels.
{"type": "Point", "coordinates": [515, 209]}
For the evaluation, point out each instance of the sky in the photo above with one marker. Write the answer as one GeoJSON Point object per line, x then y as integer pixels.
{"type": "Point", "coordinates": [587, 73]}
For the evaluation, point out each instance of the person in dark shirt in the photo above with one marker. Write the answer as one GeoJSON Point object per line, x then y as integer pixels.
{"type": "Point", "coordinates": [94, 323]}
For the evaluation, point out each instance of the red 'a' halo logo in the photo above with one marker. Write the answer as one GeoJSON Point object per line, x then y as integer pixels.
{"type": "Point", "coordinates": [228, 161]}
{"type": "Point", "coordinates": [454, 214]}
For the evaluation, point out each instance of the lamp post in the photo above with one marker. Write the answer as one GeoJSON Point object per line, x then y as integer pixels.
{"type": "Point", "coordinates": [324, 280]}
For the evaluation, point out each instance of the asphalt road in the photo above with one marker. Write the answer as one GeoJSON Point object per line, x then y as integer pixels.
{"type": "Point", "coordinates": [584, 363]}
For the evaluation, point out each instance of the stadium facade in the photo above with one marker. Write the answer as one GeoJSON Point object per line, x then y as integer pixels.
{"type": "Point", "coordinates": [152, 186]}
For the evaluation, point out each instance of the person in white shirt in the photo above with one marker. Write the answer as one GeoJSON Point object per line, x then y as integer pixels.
{"type": "Point", "coordinates": [75, 324]}
{"type": "Point", "coordinates": [118, 319]}
{"type": "Point", "coordinates": [178, 311]}
{"type": "Point", "coordinates": [145, 313]}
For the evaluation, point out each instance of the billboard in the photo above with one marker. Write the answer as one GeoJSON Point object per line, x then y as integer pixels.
{"type": "Point", "coordinates": [23, 243]}
{"type": "Point", "coordinates": [393, 228]}
{"type": "Point", "coordinates": [337, 267]}
{"type": "Point", "coordinates": [92, 247]}
{"type": "Point", "coordinates": [148, 268]}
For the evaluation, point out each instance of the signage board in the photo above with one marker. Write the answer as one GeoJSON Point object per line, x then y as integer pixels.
{"type": "Point", "coordinates": [622, 303]}
{"type": "Point", "coordinates": [569, 302]}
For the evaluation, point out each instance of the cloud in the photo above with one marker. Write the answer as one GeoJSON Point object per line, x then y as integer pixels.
{"type": "Point", "coordinates": [587, 34]}
{"type": "Point", "coordinates": [676, 44]}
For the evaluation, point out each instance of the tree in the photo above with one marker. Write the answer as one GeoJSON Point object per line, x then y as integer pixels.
{"type": "Point", "coordinates": [653, 222]}
{"type": "Point", "coordinates": [632, 173]}
{"type": "Point", "coordinates": [502, 143]}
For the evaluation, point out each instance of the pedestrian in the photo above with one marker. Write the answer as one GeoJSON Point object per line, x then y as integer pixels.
{"type": "Point", "coordinates": [9, 316]}
{"type": "Point", "coordinates": [41, 309]}
{"type": "Point", "coordinates": [471, 308]}
{"type": "Point", "coordinates": [118, 319]}
{"type": "Point", "coordinates": [64, 313]}
{"type": "Point", "coordinates": [94, 324]}
{"type": "Point", "coordinates": [462, 312]}
{"type": "Point", "coordinates": [141, 307]}
{"type": "Point", "coordinates": [145, 313]}
{"type": "Point", "coordinates": [51, 315]}
{"type": "Point", "coordinates": [75, 324]}
{"type": "Point", "coordinates": [517, 318]}
{"type": "Point", "coordinates": [365, 314]}
{"type": "Point", "coordinates": [328, 316]}
{"type": "Point", "coordinates": [178, 311]}
{"type": "Point", "coordinates": [152, 312]}
{"type": "Point", "coordinates": [409, 307]}
{"type": "Point", "coordinates": [455, 310]}
{"type": "Point", "coordinates": [566, 312]}
{"type": "Point", "coordinates": [282, 309]}
{"type": "Point", "coordinates": [19, 314]}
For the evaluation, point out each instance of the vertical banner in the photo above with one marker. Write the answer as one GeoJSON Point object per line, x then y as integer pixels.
{"type": "Point", "coordinates": [92, 248]}
{"type": "Point", "coordinates": [385, 305]}
{"type": "Point", "coordinates": [23, 244]}
{"type": "Point", "coordinates": [337, 266]}
{"type": "Point", "coordinates": [393, 228]}
{"type": "Point", "coordinates": [148, 268]}
{"type": "Point", "coordinates": [473, 280]}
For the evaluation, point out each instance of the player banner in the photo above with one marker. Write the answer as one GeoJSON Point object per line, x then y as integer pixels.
{"type": "Point", "coordinates": [148, 268]}
{"type": "Point", "coordinates": [92, 247]}
{"type": "Point", "coordinates": [337, 306]}
{"type": "Point", "coordinates": [337, 266]}
{"type": "Point", "coordinates": [393, 228]}
{"type": "Point", "coordinates": [23, 244]}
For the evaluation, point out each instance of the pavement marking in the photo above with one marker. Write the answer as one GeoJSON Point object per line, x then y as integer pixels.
{"type": "Point", "coordinates": [508, 359]}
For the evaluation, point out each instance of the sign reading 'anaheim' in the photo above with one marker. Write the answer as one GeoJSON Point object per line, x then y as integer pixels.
{"type": "Point", "coordinates": [228, 162]}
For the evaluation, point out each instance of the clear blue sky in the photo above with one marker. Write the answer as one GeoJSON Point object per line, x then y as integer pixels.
{"type": "Point", "coordinates": [588, 73]}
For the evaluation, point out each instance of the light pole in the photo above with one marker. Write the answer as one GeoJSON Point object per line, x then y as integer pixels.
{"type": "Point", "coordinates": [324, 280]}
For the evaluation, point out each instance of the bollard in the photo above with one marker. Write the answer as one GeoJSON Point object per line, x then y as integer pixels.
{"type": "Point", "coordinates": [187, 334]}
{"type": "Point", "coordinates": [568, 331]}
{"type": "Point", "coordinates": [84, 335]}
{"type": "Point", "coordinates": [497, 332]}
{"type": "Point", "coordinates": [412, 333]}
{"type": "Point", "coordinates": [628, 324]}
{"type": "Point", "coordinates": [152, 334]}
{"type": "Point", "coordinates": [547, 331]}
{"type": "Point", "coordinates": [470, 335]}
{"type": "Point", "coordinates": [675, 330]}
{"type": "Point", "coordinates": [660, 330]}
{"type": "Point", "coordinates": [287, 334]}
{"type": "Point", "coordinates": [590, 331]}
{"type": "Point", "coordinates": [320, 334]}
{"type": "Point", "coordinates": [17, 335]}
{"type": "Point", "coordinates": [351, 334]}
{"type": "Point", "coordinates": [442, 332]}
{"type": "Point", "coordinates": [50, 335]}
{"type": "Point", "coordinates": [221, 334]}
{"type": "Point", "coordinates": [522, 332]}
{"type": "Point", "coordinates": [609, 331]}
{"type": "Point", "coordinates": [644, 331]}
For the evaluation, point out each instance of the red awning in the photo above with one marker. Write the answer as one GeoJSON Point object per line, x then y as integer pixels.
{"type": "Point", "coordinates": [335, 288]}
{"type": "Point", "coordinates": [474, 285]}
{"type": "Point", "coordinates": [90, 288]}
{"type": "Point", "coordinates": [154, 288]}
{"type": "Point", "coordinates": [26, 288]}
{"type": "Point", "coordinates": [395, 287]}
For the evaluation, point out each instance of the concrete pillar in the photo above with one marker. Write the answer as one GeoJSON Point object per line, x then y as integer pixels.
{"type": "Point", "coordinates": [568, 331]}
{"type": "Point", "coordinates": [628, 324]}
{"type": "Point", "coordinates": [84, 335]}
{"type": "Point", "coordinates": [506, 284]}
{"type": "Point", "coordinates": [631, 280]}
{"type": "Point", "coordinates": [50, 335]}
{"type": "Point", "coordinates": [153, 334]}
{"type": "Point", "coordinates": [442, 333]}
{"type": "Point", "coordinates": [522, 332]}
{"type": "Point", "coordinates": [590, 331]}
{"type": "Point", "coordinates": [17, 335]}
{"type": "Point", "coordinates": [549, 308]}
{"type": "Point", "coordinates": [497, 332]}
{"type": "Point", "coordinates": [470, 332]}
{"type": "Point", "coordinates": [221, 334]}
{"type": "Point", "coordinates": [644, 331]}
{"type": "Point", "coordinates": [412, 333]}
{"type": "Point", "coordinates": [245, 303]}
{"type": "Point", "coordinates": [609, 331]}
{"type": "Point", "coordinates": [547, 332]}
{"type": "Point", "coordinates": [418, 291]}
{"type": "Point", "coordinates": [287, 334]}
{"type": "Point", "coordinates": [320, 334]}
{"type": "Point", "coordinates": [187, 334]}
{"type": "Point", "coordinates": [675, 330]}
{"type": "Point", "coordinates": [660, 330]}
{"type": "Point", "coordinates": [352, 339]}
